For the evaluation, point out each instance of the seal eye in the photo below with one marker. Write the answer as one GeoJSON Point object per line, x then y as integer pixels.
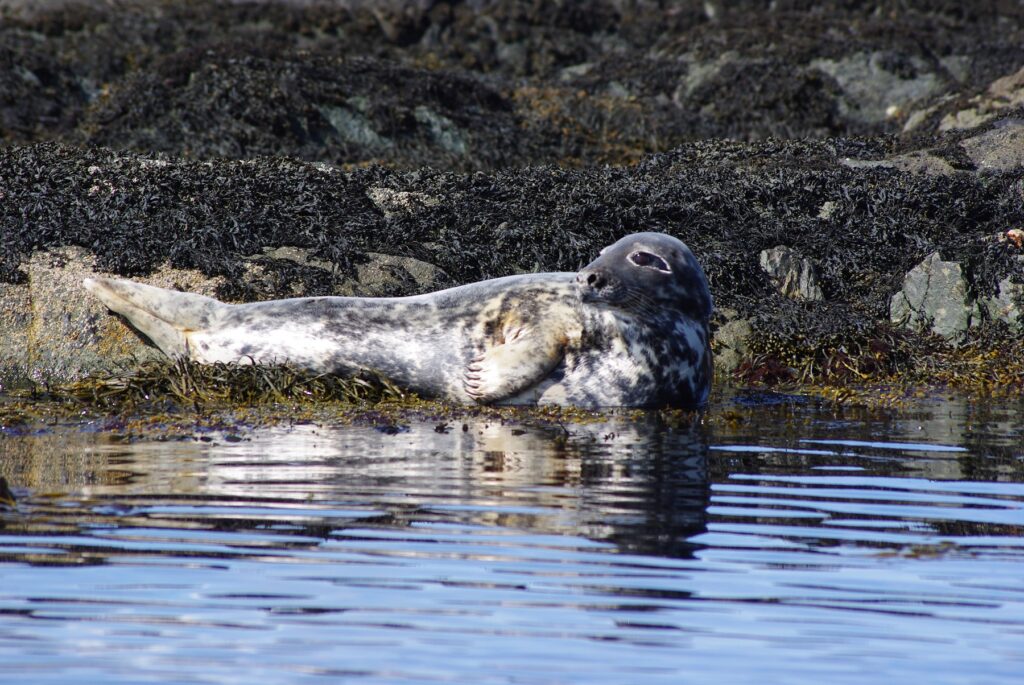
{"type": "Point", "coordinates": [649, 260]}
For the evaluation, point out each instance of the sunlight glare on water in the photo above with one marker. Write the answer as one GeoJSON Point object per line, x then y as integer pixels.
{"type": "Point", "coordinates": [795, 543]}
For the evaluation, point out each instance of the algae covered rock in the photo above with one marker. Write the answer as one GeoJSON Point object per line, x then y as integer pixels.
{"type": "Point", "coordinates": [275, 149]}
{"type": "Point", "coordinates": [471, 85]}
{"type": "Point", "coordinates": [55, 333]}
{"type": "Point", "coordinates": [794, 276]}
{"type": "Point", "coordinates": [731, 340]}
{"type": "Point", "coordinates": [1007, 304]}
{"type": "Point", "coordinates": [935, 296]}
{"type": "Point", "coordinates": [1005, 93]}
{"type": "Point", "coordinates": [272, 227]}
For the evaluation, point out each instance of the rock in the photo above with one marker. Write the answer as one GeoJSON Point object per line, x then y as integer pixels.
{"type": "Point", "coordinates": [575, 71]}
{"type": "Point", "coordinates": [731, 341]}
{"type": "Point", "coordinates": [919, 161]}
{"type": "Point", "coordinates": [1003, 93]}
{"type": "Point", "coordinates": [918, 118]}
{"type": "Point", "coordinates": [394, 202]}
{"type": "Point", "coordinates": [999, 149]}
{"type": "Point", "coordinates": [15, 319]}
{"type": "Point", "coordinates": [828, 210]}
{"type": "Point", "coordinates": [935, 296]}
{"type": "Point", "coordinates": [444, 132]}
{"type": "Point", "coordinates": [287, 271]}
{"type": "Point", "coordinates": [700, 72]}
{"type": "Point", "coordinates": [298, 255]}
{"type": "Point", "coordinates": [877, 86]}
{"type": "Point", "coordinates": [1008, 90]}
{"type": "Point", "coordinates": [382, 275]}
{"type": "Point", "coordinates": [352, 126]}
{"type": "Point", "coordinates": [64, 333]}
{"type": "Point", "coordinates": [962, 120]}
{"type": "Point", "coordinates": [1006, 305]}
{"type": "Point", "coordinates": [54, 332]}
{"type": "Point", "coordinates": [387, 275]}
{"type": "Point", "coordinates": [793, 274]}
{"type": "Point", "coordinates": [958, 67]}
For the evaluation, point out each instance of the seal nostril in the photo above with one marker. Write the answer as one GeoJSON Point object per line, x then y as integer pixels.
{"type": "Point", "coordinates": [595, 281]}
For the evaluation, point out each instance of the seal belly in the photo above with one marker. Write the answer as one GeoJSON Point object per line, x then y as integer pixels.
{"type": "Point", "coordinates": [425, 343]}
{"type": "Point", "coordinates": [411, 343]}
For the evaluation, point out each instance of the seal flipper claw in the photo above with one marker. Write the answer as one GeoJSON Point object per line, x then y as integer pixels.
{"type": "Point", "coordinates": [504, 369]}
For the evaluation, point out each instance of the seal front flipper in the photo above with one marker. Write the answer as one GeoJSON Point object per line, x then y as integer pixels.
{"type": "Point", "coordinates": [164, 316]}
{"type": "Point", "coordinates": [520, 357]}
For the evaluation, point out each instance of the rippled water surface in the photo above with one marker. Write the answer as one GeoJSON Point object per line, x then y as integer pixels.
{"type": "Point", "coordinates": [776, 540]}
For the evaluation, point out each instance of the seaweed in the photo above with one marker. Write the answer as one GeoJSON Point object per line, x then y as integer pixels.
{"type": "Point", "coordinates": [519, 81]}
{"type": "Point", "coordinates": [727, 200]}
{"type": "Point", "coordinates": [189, 384]}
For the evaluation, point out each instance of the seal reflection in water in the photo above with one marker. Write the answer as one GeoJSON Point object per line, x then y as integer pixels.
{"type": "Point", "coordinates": [630, 329]}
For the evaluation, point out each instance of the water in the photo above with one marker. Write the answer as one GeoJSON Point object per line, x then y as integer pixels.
{"type": "Point", "coordinates": [777, 540]}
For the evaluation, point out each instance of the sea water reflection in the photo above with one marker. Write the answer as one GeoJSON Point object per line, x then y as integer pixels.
{"type": "Point", "coordinates": [771, 540]}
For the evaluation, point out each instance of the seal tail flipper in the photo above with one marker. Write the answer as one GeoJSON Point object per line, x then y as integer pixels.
{"type": "Point", "coordinates": [164, 316]}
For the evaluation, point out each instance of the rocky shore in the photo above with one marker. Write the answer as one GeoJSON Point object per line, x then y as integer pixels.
{"type": "Point", "coordinates": [850, 175]}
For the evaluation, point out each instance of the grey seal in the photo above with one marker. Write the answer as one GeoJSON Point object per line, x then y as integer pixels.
{"type": "Point", "coordinates": [630, 329]}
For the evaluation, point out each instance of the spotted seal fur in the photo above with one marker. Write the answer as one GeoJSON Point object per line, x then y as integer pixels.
{"type": "Point", "coordinates": [630, 329]}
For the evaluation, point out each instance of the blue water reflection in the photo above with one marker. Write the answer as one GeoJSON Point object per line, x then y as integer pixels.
{"type": "Point", "coordinates": [794, 542]}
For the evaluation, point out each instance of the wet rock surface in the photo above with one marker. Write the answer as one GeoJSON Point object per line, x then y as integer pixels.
{"type": "Point", "coordinates": [268, 150]}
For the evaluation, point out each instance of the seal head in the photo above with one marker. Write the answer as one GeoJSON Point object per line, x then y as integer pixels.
{"type": "Point", "coordinates": [654, 289]}
{"type": "Point", "coordinates": [648, 273]}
